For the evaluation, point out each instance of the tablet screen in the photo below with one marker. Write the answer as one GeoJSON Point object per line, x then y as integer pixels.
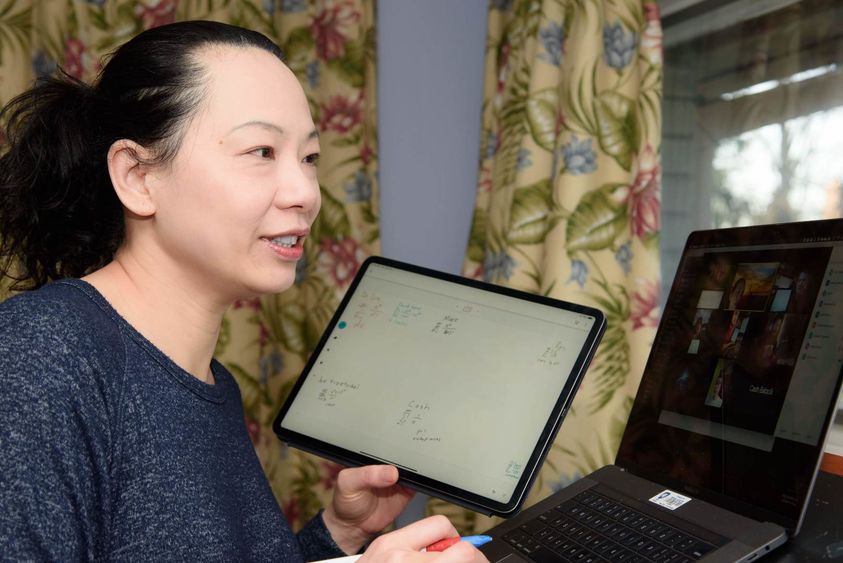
{"type": "Point", "coordinates": [462, 387]}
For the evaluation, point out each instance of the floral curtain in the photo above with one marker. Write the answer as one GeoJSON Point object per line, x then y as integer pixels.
{"type": "Point", "coordinates": [569, 194]}
{"type": "Point", "coordinates": [330, 46]}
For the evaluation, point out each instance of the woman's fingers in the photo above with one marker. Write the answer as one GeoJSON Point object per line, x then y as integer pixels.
{"type": "Point", "coordinates": [360, 479]}
{"type": "Point", "coordinates": [417, 535]}
{"type": "Point", "coordinates": [461, 552]}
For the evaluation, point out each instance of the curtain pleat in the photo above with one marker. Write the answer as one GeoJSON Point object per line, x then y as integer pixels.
{"type": "Point", "coordinates": [569, 194]}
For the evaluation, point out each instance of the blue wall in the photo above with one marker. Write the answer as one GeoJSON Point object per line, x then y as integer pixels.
{"type": "Point", "coordinates": [430, 89]}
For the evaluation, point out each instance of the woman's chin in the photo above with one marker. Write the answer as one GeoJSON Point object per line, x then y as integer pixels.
{"type": "Point", "coordinates": [272, 285]}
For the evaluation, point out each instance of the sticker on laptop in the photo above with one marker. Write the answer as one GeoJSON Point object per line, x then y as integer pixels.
{"type": "Point", "coordinates": [669, 499]}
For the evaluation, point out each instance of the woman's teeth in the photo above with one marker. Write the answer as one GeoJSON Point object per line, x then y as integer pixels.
{"type": "Point", "coordinates": [288, 241]}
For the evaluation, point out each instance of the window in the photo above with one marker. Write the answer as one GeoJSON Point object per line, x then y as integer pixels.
{"type": "Point", "coordinates": [753, 116]}
{"type": "Point", "coordinates": [753, 112]}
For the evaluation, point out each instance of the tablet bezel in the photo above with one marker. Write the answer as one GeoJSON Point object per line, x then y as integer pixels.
{"type": "Point", "coordinates": [420, 482]}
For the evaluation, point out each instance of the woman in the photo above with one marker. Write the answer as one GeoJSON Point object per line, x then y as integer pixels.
{"type": "Point", "coordinates": [735, 294]}
{"type": "Point", "coordinates": [183, 180]}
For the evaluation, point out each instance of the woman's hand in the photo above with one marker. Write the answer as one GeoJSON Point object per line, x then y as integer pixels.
{"type": "Point", "coordinates": [406, 544]}
{"type": "Point", "coordinates": [366, 500]}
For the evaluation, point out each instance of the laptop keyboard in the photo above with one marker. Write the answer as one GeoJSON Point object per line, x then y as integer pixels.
{"type": "Point", "coordinates": [592, 528]}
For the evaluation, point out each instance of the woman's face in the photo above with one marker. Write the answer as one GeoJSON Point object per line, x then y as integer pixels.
{"type": "Point", "coordinates": [737, 291]}
{"type": "Point", "coordinates": [236, 204]}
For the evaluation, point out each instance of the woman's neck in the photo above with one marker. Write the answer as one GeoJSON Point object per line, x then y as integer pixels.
{"type": "Point", "coordinates": [176, 317]}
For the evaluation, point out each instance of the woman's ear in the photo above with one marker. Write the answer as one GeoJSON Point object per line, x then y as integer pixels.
{"type": "Point", "coordinates": [130, 177]}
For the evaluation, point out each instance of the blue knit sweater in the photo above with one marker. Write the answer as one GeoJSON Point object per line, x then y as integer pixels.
{"type": "Point", "coordinates": [109, 450]}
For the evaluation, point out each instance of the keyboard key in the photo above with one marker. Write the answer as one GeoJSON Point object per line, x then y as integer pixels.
{"type": "Point", "coordinates": [569, 508]}
{"type": "Point", "coordinates": [573, 553]}
{"type": "Point", "coordinates": [676, 539]}
{"type": "Point", "coordinates": [573, 529]}
{"type": "Point", "coordinates": [649, 548]}
{"type": "Point", "coordinates": [631, 539]}
{"type": "Point", "coordinates": [697, 549]}
{"type": "Point", "coordinates": [596, 543]}
{"type": "Point", "coordinates": [517, 539]}
{"type": "Point", "coordinates": [665, 535]}
{"type": "Point", "coordinates": [550, 536]}
{"type": "Point", "coordinates": [533, 527]}
{"type": "Point", "coordinates": [589, 517]}
{"type": "Point", "coordinates": [629, 518]}
{"type": "Point", "coordinates": [588, 536]}
{"type": "Point", "coordinates": [610, 550]}
{"type": "Point", "coordinates": [565, 546]}
{"type": "Point", "coordinates": [587, 498]}
{"type": "Point", "coordinates": [614, 510]}
{"type": "Point", "coordinates": [684, 543]}
{"type": "Point", "coordinates": [613, 529]}
{"type": "Point", "coordinates": [661, 554]}
{"type": "Point", "coordinates": [531, 547]}
{"type": "Point", "coordinates": [579, 534]}
{"type": "Point", "coordinates": [636, 520]}
{"type": "Point", "coordinates": [606, 526]}
{"type": "Point", "coordinates": [622, 534]}
{"type": "Point", "coordinates": [559, 521]}
{"type": "Point", "coordinates": [548, 517]}
{"type": "Point", "coordinates": [657, 529]}
{"type": "Point", "coordinates": [645, 525]}
{"type": "Point", "coordinates": [642, 545]}
{"type": "Point", "coordinates": [624, 555]}
{"type": "Point", "coordinates": [557, 543]}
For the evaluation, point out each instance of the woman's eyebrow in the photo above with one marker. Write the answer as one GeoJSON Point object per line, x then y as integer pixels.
{"type": "Point", "coordinates": [314, 134]}
{"type": "Point", "coordinates": [257, 123]}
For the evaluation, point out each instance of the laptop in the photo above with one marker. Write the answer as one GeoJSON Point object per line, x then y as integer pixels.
{"type": "Point", "coordinates": [462, 385]}
{"type": "Point", "coordinates": [728, 427]}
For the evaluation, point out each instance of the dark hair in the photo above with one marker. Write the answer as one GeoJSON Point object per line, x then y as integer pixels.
{"type": "Point", "coordinates": [59, 214]}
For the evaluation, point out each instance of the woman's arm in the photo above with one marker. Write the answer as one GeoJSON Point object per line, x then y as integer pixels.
{"type": "Point", "coordinates": [54, 453]}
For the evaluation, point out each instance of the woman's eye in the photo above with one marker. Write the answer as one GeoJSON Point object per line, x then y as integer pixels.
{"type": "Point", "coordinates": [312, 159]}
{"type": "Point", "coordinates": [263, 152]}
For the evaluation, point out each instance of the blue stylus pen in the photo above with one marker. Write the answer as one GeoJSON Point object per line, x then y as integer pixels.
{"type": "Point", "coordinates": [476, 541]}
{"type": "Point", "coordinates": [442, 545]}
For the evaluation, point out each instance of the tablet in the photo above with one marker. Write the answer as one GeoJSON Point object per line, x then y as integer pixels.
{"type": "Point", "coordinates": [461, 385]}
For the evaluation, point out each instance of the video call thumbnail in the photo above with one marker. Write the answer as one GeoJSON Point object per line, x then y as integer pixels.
{"type": "Point", "coordinates": [741, 335]}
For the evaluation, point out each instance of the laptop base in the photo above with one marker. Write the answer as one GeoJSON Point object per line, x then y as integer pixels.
{"type": "Point", "coordinates": [551, 531]}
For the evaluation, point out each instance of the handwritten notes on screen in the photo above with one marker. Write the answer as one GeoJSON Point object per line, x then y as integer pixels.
{"type": "Point", "coordinates": [440, 378]}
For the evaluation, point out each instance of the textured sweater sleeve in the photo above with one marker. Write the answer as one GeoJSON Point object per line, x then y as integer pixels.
{"type": "Point", "coordinates": [54, 441]}
{"type": "Point", "coordinates": [316, 541]}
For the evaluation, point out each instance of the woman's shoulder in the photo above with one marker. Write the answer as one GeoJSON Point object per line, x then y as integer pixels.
{"type": "Point", "coordinates": [61, 306]}
{"type": "Point", "coordinates": [58, 326]}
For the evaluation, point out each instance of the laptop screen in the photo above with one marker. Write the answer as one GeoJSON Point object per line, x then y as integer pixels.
{"type": "Point", "coordinates": [742, 381]}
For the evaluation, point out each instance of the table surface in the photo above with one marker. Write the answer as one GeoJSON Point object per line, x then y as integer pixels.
{"type": "Point", "coordinates": [821, 536]}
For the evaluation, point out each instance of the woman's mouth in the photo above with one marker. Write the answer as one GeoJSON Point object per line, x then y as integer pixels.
{"type": "Point", "coordinates": [288, 247]}
{"type": "Point", "coordinates": [287, 241]}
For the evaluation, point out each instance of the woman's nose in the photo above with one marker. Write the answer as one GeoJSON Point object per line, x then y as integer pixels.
{"type": "Point", "coordinates": [298, 188]}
